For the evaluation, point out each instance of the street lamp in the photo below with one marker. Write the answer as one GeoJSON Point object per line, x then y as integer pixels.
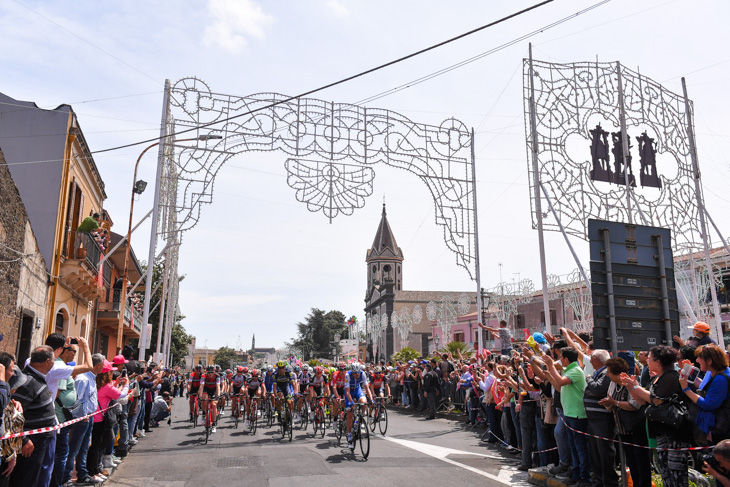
{"type": "Point", "coordinates": [334, 349]}
{"type": "Point", "coordinates": [436, 341]}
{"type": "Point", "coordinates": [138, 187]}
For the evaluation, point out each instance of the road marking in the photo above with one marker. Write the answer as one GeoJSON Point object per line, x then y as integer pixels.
{"type": "Point", "coordinates": [505, 475]}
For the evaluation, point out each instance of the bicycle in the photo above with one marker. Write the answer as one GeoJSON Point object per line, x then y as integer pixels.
{"type": "Point", "coordinates": [253, 415]}
{"type": "Point", "coordinates": [360, 432]}
{"type": "Point", "coordinates": [196, 409]}
{"type": "Point", "coordinates": [303, 412]}
{"type": "Point", "coordinates": [379, 416]}
{"type": "Point", "coordinates": [208, 417]}
{"type": "Point", "coordinates": [340, 423]}
{"type": "Point", "coordinates": [286, 422]}
{"type": "Point", "coordinates": [319, 421]}
{"type": "Point", "coordinates": [236, 408]}
{"type": "Point", "coordinates": [268, 411]}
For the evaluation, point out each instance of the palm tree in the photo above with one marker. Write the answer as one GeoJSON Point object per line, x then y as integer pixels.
{"type": "Point", "coordinates": [454, 348]}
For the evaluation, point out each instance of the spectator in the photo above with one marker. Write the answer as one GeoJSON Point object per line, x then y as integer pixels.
{"type": "Point", "coordinates": [430, 386]}
{"type": "Point", "coordinates": [80, 434]}
{"type": "Point", "coordinates": [35, 465]}
{"type": "Point", "coordinates": [65, 402]}
{"type": "Point", "coordinates": [572, 386]}
{"type": "Point", "coordinates": [645, 377]}
{"type": "Point", "coordinates": [600, 422]}
{"type": "Point", "coordinates": [11, 378]}
{"type": "Point", "coordinates": [121, 364]}
{"type": "Point", "coordinates": [630, 423]}
{"type": "Point", "coordinates": [161, 407]}
{"type": "Point", "coordinates": [710, 421]}
{"type": "Point", "coordinates": [720, 468]}
{"type": "Point", "coordinates": [670, 439]}
{"type": "Point", "coordinates": [504, 336]}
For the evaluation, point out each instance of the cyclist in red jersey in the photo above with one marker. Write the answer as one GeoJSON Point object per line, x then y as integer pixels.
{"type": "Point", "coordinates": [210, 386]}
{"type": "Point", "coordinates": [193, 386]}
{"type": "Point", "coordinates": [338, 386]}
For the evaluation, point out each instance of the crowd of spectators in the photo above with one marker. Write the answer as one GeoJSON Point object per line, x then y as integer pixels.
{"type": "Point", "coordinates": [560, 403]}
{"type": "Point", "coordinates": [119, 401]}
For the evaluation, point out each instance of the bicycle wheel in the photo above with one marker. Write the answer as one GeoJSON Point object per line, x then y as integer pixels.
{"type": "Point", "coordinates": [363, 438]}
{"type": "Point", "coordinates": [282, 421]}
{"type": "Point", "coordinates": [383, 420]}
{"type": "Point", "coordinates": [290, 421]}
{"type": "Point", "coordinates": [338, 431]}
{"type": "Point", "coordinates": [373, 417]}
{"type": "Point", "coordinates": [195, 414]}
{"type": "Point", "coordinates": [322, 421]}
{"type": "Point", "coordinates": [235, 411]}
{"type": "Point", "coordinates": [252, 419]}
{"type": "Point", "coordinates": [304, 416]}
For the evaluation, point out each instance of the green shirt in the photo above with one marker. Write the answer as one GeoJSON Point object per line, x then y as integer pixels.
{"type": "Point", "coordinates": [67, 395]}
{"type": "Point", "coordinates": [571, 395]}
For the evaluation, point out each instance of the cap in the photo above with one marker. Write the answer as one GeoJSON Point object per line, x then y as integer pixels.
{"type": "Point", "coordinates": [119, 360]}
{"type": "Point", "coordinates": [18, 379]}
{"type": "Point", "coordinates": [701, 326]}
{"type": "Point", "coordinates": [108, 366]}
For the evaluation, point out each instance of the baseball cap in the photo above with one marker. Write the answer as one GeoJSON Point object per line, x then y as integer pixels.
{"type": "Point", "coordinates": [107, 366]}
{"type": "Point", "coordinates": [119, 360]}
{"type": "Point", "coordinates": [18, 379]}
{"type": "Point", "coordinates": [701, 326]}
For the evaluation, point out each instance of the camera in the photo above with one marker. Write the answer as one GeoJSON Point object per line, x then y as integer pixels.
{"type": "Point", "coordinates": [73, 341]}
{"type": "Point", "coordinates": [712, 462]}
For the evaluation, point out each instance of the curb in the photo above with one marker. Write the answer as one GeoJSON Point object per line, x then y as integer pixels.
{"type": "Point", "coordinates": [540, 476]}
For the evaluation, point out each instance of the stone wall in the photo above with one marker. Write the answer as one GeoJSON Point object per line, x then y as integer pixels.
{"type": "Point", "coordinates": [22, 268]}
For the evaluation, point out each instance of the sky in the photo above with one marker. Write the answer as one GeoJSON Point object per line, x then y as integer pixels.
{"type": "Point", "coordinates": [258, 261]}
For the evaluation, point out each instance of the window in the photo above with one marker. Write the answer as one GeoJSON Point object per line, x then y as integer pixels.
{"type": "Point", "coordinates": [553, 317]}
{"type": "Point", "coordinates": [59, 322]}
{"type": "Point", "coordinates": [520, 321]}
{"type": "Point", "coordinates": [459, 336]}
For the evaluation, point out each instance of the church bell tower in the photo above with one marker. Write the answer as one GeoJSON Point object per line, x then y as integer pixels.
{"type": "Point", "coordinates": [385, 259]}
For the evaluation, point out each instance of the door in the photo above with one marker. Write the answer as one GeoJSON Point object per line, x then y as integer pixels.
{"type": "Point", "coordinates": [26, 333]}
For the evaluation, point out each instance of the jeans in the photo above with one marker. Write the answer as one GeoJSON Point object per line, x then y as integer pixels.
{"type": "Point", "coordinates": [140, 411]}
{"type": "Point", "coordinates": [431, 400]}
{"type": "Point", "coordinates": [533, 434]}
{"type": "Point", "coordinates": [405, 400]}
{"type": "Point", "coordinates": [147, 415]}
{"type": "Point", "coordinates": [77, 434]}
{"type": "Point", "coordinates": [132, 422]}
{"type": "Point", "coordinates": [83, 437]}
{"type": "Point", "coordinates": [516, 423]}
{"type": "Point", "coordinates": [61, 454]}
{"type": "Point", "coordinates": [579, 449]}
{"type": "Point", "coordinates": [34, 471]}
{"type": "Point", "coordinates": [100, 437]}
{"type": "Point", "coordinates": [160, 416]}
{"type": "Point", "coordinates": [562, 440]}
{"type": "Point", "coordinates": [123, 429]}
{"type": "Point", "coordinates": [493, 417]}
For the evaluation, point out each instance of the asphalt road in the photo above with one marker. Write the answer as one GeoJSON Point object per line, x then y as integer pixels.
{"type": "Point", "coordinates": [415, 451]}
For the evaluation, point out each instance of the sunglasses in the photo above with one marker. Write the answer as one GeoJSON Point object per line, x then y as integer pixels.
{"type": "Point", "coordinates": [69, 349]}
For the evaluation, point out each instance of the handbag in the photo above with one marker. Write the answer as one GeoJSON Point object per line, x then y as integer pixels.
{"type": "Point", "coordinates": [672, 412]}
{"type": "Point", "coordinates": [73, 411]}
{"type": "Point", "coordinates": [548, 414]}
{"type": "Point", "coordinates": [110, 415]}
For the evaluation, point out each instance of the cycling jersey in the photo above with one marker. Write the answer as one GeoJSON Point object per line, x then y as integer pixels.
{"type": "Point", "coordinates": [194, 380]}
{"type": "Point", "coordinates": [210, 383]}
{"type": "Point", "coordinates": [318, 381]}
{"type": "Point", "coordinates": [354, 382]}
{"type": "Point", "coordinates": [253, 383]}
{"type": "Point", "coordinates": [339, 378]}
{"type": "Point", "coordinates": [377, 381]}
{"type": "Point", "coordinates": [304, 378]}
{"type": "Point", "coordinates": [284, 382]}
{"type": "Point", "coordinates": [269, 381]}
{"type": "Point", "coordinates": [237, 382]}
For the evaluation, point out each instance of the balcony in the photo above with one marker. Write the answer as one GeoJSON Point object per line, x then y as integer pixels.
{"type": "Point", "coordinates": [80, 266]}
{"type": "Point", "coordinates": [108, 317]}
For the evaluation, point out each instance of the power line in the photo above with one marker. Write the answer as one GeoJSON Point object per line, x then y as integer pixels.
{"type": "Point", "coordinates": [341, 81]}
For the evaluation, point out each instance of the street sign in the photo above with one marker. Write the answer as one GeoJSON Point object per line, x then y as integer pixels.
{"type": "Point", "coordinates": [632, 283]}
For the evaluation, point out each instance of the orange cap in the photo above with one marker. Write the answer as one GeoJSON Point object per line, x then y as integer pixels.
{"type": "Point", "coordinates": [701, 326]}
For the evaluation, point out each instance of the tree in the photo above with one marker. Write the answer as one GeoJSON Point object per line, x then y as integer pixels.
{"type": "Point", "coordinates": [224, 357]}
{"type": "Point", "coordinates": [405, 354]}
{"type": "Point", "coordinates": [316, 335]}
{"type": "Point", "coordinates": [455, 347]}
{"type": "Point", "coordinates": [179, 342]}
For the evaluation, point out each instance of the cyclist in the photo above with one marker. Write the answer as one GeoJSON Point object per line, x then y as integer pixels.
{"type": "Point", "coordinates": [254, 384]}
{"type": "Point", "coordinates": [304, 378]}
{"type": "Point", "coordinates": [317, 386]}
{"type": "Point", "coordinates": [194, 385]}
{"type": "Point", "coordinates": [378, 385]}
{"type": "Point", "coordinates": [269, 380]}
{"type": "Point", "coordinates": [285, 380]}
{"type": "Point", "coordinates": [237, 381]}
{"type": "Point", "coordinates": [338, 388]}
{"type": "Point", "coordinates": [210, 386]}
{"type": "Point", "coordinates": [355, 380]}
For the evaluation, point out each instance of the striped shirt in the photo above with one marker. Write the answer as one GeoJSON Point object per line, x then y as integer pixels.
{"type": "Point", "coordinates": [37, 401]}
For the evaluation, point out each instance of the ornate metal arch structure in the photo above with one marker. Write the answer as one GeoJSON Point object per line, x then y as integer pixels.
{"type": "Point", "coordinates": [333, 148]}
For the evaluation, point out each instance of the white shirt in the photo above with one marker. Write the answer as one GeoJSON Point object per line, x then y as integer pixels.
{"type": "Point", "coordinates": [59, 372]}
{"type": "Point", "coordinates": [588, 369]}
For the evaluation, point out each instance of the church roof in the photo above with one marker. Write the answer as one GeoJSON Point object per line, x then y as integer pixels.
{"type": "Point", "coordinates": [384, 244]}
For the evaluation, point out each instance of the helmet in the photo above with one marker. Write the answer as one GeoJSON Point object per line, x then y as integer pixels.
{"type": "Point", "coordinates": [296, 368]}
{"type": "Point", "coordinates": [245, 370]}
{"type": "Point", "coordinates": [280, 364]}
{"type": "Point", "coordinates": [254, 373]}
{"type": "Point", "coordinates": [341, 366]}
{"type": "Point", "coordinates": [318, 370]}
{"type": "Point", "coordinates": [270, 368]}
{"type": "Point", "coordinates": [239, 369]}
{"type": "Point", "coordinates": [356, 367]}
{"type": "Point", "coordinates": [378, 370]}
{"type": "Point", "coordinates": [211, 368]}
{"type": "Point", "coordinates": [305, 367]}
{"type": "Point", "coordinates": [217, 368]}
{"type": "Point", "coordinates": [199, 367]}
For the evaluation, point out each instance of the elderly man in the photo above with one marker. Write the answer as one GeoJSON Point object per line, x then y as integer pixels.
{"type": "Point", "coordinates": [600, 422]}
{"type": "Point", "coordinates": [35, 465]}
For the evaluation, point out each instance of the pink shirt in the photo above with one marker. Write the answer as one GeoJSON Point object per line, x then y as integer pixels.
{"type": "Point", "coordinates": [106, 394]}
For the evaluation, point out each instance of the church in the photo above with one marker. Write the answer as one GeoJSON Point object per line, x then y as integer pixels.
{"type": "Point", "coordinates": [396, 318]}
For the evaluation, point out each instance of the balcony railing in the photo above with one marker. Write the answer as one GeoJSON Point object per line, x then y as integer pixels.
{"type": "Point", "coordinates": [86, 248]}
{"type": "Point", "coordinates": [129, 311]}
{"type": "Point", "coordinates": [138, 315]}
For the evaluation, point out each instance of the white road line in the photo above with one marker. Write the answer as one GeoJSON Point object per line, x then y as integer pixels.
{"type": "Point", "coordinates": [440, 452]}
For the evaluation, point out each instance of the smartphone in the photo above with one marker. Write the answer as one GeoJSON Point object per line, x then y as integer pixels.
{"type": "Point", "coordinates": [124, 373]}
{"type": "Point", "coordinates": [73, 341]}
{"type": "Point", "coordinates": [693, 373]}
{"type": "Point", "coordinates": [685, 371]}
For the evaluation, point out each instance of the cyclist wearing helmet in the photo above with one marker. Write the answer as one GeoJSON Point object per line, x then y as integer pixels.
{"type": "Point", "coordinates": [285, 380]}
{"type": "Point", "coordinates": [318, 384]}
{"type": "Point", "coordinates": [378, 384]}
{"type": "Point", "coordinates": [225, 388]}
{"type": "Point", "coordinates": [193, 386]}
{"type": "Point", "coordinates": [338, 387]}
{"type": "Point", "coordinates": [254, 385]}
{"type": "Point", "coordinates": [304, 378]}
{"type": "Point", "coordinates": [210, 386]}
{"type": "Point", "coordinates": [269, 380]}
{"type": "Point", "coordinates": [237, 381]}
{"type": "Point", "coordinates": [355, 380]}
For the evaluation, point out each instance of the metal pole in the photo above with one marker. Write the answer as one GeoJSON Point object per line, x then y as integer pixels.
{"type": "Point", "coordinates": [155, 216]}
{"type": "Point", "coordinates": [162, 307]}
{"type": "Point", "coordinates": [702, 212]}
{"type": "Point", "coordinates": [719, 234]}
{"type": "Point", "coordinates": [565, 236]}
{"type": "Point", "coordinates": [624, 140]}
{"type": "Point", "coordinates": [478, 276]}
{"type": "Point", "coordinates": [124, 239]}
{"type": "Point", "coordinates": [609, 285]}
{"type": "Point", "coordinates": [538, 204]}
{"type": "Point", "coordinates": [665, 292]}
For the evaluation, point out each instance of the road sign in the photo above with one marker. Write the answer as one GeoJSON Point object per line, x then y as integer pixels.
{"type": "Point", "coordinates": [632, 283]}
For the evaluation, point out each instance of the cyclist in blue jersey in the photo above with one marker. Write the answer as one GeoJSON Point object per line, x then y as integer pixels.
{"type": "Point", "coordinates": [284, 379]}
{"type": "Point", "coordinates": [355, 381]}
{"type": "Point", "coordinates": [269, 380]}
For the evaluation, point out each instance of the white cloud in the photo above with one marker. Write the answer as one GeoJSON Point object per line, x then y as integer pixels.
{"type": "Point", "coordinates": [233, 22]}
{"type": "Point", "coordinates": [338, 9]}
